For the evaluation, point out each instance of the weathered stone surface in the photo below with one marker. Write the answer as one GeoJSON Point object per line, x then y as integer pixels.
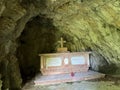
{"type": "Point", "coordinates": [10, 13]}
{"type": "Point", "coordinates": [0, 82]}
{"type": "Point", "coordinates": [86, 25]}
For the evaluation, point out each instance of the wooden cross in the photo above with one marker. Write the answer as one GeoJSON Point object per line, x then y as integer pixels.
{"type": "Point", "coordinates": [61, 42]}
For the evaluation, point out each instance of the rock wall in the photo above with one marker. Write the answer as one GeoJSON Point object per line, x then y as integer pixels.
{"type": "Point", "coordinates": [86, 25]}
{"type": "Point", "coordinates": [10, 14]}
{"type": "Point", "coordinates": [0, 82]}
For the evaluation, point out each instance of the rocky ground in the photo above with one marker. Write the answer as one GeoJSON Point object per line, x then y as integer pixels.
{"type": "Point", "coordinates": [107, 83]}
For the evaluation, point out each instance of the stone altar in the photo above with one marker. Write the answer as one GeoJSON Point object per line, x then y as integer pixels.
{"type": "Point", "coordinates": [59, 63]}
{"type": "Point", "coordinates": [64, 61]}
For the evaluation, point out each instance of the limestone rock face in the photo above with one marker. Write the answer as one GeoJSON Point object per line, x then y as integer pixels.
{"type": "Point", "coordinates": [86, 25]}
{"type": "Point", "coordinates": [10, 13]}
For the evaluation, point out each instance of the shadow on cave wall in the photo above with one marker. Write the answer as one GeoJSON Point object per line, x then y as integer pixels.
{"type": "Point", "coordinates": [100, 64]}
{"type": "Point", "coordinates": [39, 36]}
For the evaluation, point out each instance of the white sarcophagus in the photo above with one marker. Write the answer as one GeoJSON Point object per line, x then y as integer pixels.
{"type": "Point", "coordinates": [59, 63]}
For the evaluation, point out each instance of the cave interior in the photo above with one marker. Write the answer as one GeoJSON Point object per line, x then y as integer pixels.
{"type": "Point", "coordinates": [28, 28]}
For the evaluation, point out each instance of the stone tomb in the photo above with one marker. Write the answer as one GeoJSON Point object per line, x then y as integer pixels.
{"type": "Point", "coordinates": [60, 63]}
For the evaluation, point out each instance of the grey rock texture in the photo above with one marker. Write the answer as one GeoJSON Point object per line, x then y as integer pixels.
{"type": "Point", "coordinates": [86, 25]}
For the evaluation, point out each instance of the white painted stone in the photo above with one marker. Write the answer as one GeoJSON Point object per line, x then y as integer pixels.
{"type": "Point", "coordinates": [54, 61]}
{"type": "Point", "coordinates": [77, 60]}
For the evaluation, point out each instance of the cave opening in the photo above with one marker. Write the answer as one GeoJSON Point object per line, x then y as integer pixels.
{"type": "Point", "coordinates": [41, 36]}
{"type": "Point", "coordinates": [38, 36]}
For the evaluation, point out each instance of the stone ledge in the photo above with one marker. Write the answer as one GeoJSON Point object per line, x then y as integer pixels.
{"type": "Point", "coordinates": [56, 79]}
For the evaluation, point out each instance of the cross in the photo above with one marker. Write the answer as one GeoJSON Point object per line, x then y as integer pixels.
{"type": "Point", "coordinates": [61, 42]}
